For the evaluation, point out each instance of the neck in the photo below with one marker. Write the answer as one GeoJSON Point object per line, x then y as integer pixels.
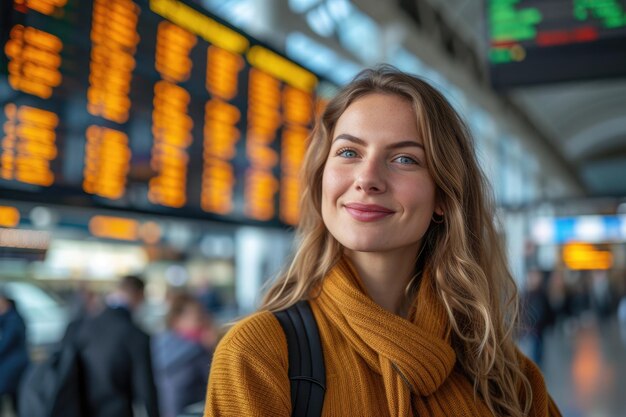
{"type": "Point", "coordinates": [385, 277]}
{"type": "Point", "coordinates": [117, 300]}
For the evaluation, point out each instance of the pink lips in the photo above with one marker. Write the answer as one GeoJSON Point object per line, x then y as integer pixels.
{"type": "Point", "coordinates": [367, 212]}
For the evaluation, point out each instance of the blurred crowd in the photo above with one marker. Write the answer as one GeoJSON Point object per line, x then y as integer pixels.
{"type": "Point", "coordinates": [119, 365]}
{"type": "Point", "coordinates": [563, 301]}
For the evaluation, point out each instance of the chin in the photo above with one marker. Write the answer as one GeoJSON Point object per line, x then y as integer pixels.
{"type": "Point", "coordinates": [361, 245]}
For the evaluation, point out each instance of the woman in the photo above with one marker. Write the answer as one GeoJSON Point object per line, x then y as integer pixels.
{"type": "Point", "coordinates": [401, 262]}
{"type": "Point", "coordinates": [182, 355]}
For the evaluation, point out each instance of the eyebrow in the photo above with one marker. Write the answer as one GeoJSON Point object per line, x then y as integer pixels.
{"type": "Point", "coordinates": [396, 145]}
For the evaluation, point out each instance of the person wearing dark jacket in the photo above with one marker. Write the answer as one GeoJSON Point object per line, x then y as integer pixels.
{"type": "Point", "coordinates": [182, 355]}
{"type": "Point", "coordinates": [13, 349]}
{"type": "Point", "coordinates": [537, 315]}
{"type": "Point", "coordinates": [115, 353]}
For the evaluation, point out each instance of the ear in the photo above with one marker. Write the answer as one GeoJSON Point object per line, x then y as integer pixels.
{"type": "Point", "coordinates": [438, 203]}
{"type": "Point", "coordinates": [438, 207]}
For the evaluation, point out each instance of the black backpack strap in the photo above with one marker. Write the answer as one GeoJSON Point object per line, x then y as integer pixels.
{"type": "Point", "coordinates": [306, 360]}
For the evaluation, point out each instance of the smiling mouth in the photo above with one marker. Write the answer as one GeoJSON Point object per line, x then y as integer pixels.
{"type": "Point", "coordinates": [367, 212]}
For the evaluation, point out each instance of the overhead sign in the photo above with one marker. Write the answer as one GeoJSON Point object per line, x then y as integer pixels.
{"type": "Point", "coordinates": [534, 42]}
{"type": "Point", "coordinates": [585, 229]}
{"type": "Point", "coordinates": [154, 106]}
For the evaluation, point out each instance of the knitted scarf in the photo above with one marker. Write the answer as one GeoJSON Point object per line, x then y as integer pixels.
{"type": "Point", "coordinates": [414, 358]}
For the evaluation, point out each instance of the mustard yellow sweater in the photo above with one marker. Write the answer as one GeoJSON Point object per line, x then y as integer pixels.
{"type": "Point", "coordinates": [377, 364]}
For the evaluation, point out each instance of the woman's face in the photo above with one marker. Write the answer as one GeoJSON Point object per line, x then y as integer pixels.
{"type": "Point", "coordinates": [377, 192]}
{"type": "Point", "coordinates": [190, 319]}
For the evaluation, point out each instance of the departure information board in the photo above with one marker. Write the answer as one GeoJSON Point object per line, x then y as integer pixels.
{"type": "Point", "coordinates": [543, 41]}
{"type": "Point", "coordinates": [149, 105]}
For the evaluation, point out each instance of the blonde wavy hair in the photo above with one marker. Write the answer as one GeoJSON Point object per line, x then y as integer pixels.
{"type": "Point", "coordinates": [464, 253]}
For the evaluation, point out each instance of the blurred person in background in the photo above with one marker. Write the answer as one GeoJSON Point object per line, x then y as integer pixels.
{"type": "Point", "coordinates": [578, 301]}
{"type": "Point", "coordinates": [13, 350]}
{"type": "Point", "coordinates": [400, 260]}
{"type": "Point", "coordinates": [210, 296]}
{"type": "Point", "coordinates": [85, 302]}
{"type": "Point", "coordinates": [600, 294]}
{"type": "Point", "coordinates": [621, 317]}
{"type": "Point", "coordinates": [182, 355]}
{"type": "Point", "coordinates": [536, 315]}
{"type": "Point", "coordinates": [115, 353]}
{"type": "Point", "coordinates": [557, 294]}
{"type": "Point", "coordinates": [621, 311]}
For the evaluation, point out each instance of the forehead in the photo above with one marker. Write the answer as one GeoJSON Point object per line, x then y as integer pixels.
{"type": "Point", "coordinates": [379, 114]}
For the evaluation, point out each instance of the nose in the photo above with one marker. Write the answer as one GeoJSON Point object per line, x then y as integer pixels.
{"type": "Point", "coordinates": [371, 177]}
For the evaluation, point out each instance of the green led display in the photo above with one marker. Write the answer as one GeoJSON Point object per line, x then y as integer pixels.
{"type": "Point", "coordinates": [500, 55]}
{"type": "Point", "coordinates": [609, 12]}
{"type": "Point", "coordinates": [513, 33]}
{"type": "Point", "coordinates": [544, 41]}
{"type": "Point", "coordinates": [509, 24]}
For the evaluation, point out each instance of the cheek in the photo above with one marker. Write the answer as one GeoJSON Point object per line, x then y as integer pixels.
{"type": "Point", "coordinates": [326, 189]}
{"type": "Point", "coordinates": [423, 199]}
{"type": "Point", "coordinates": [330, 184]}
{"type": "Point", "coordinates": [330, 192]}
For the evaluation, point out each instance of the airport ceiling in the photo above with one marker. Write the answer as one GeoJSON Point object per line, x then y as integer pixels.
{"type": "Point", "coordinates": [585, 121]}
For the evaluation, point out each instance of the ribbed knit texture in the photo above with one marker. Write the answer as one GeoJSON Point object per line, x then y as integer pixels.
{"type": "Point", "coordinates": [377, 364]}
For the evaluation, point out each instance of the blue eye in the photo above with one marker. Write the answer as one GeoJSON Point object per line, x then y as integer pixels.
{"type": "Point", "coordinates": [346, 153]}
{"type": "Point", "coordinates": [405, 160]}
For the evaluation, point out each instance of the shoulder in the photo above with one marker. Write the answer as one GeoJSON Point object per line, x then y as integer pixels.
{"type": "Point", "coordinates": [112, 316]}
{"type": "Point", "coordinates": [163, 340]}
{"type": "Point", "coordinates": [12, 316]}
{"type": "Point", "coordinates": [256, 346]}
{"type": "Point", "coordinates": [530, 369]}
{"type": "Point", "coordinates": [249, 370]}
{"type": "Point", "coordinates": [118, 322]}
{"type": "Point", "coordinates": [259, 334]}
{"type": "Point", "coordinates": [542, 403]}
